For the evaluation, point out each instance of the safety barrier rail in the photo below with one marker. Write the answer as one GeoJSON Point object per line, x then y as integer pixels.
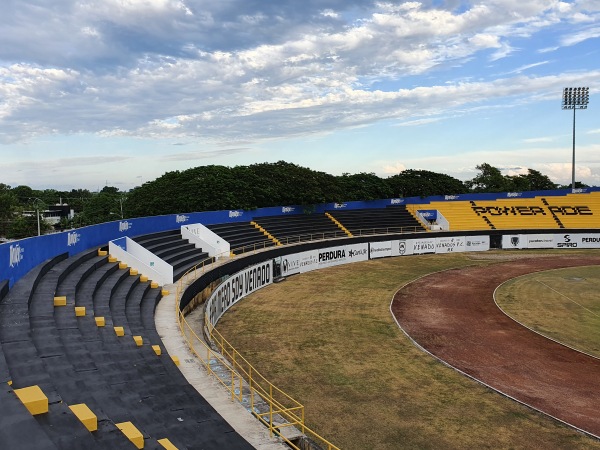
{"type": "Point", "coordinates": [309, 237]}
{"type": "Point", "coordinates": [281, 411]}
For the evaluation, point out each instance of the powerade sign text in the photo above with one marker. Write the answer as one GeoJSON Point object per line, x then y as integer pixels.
{"type": "Point", "coordinates": [237, 287]}
{"type": "Point", "coordinates": [532, 210]}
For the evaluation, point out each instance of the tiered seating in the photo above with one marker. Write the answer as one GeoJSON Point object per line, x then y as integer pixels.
{"type": "Point", "coordinates": [120, 378]}
{"type": "Point", "coordinates": [577, 210]}
{"type": "Point", "coordinates": [551, 212]}
{"type": "Point", "coordinates": [173, 249]}
{"type": "Point", "coordinates": [242, 236]}
{"type": "Point", "coordinates": [458, 213]}
{"type": "Point", "coordinates": [300, 227]}
{"type": "Point", "coordinates": [394, 219]}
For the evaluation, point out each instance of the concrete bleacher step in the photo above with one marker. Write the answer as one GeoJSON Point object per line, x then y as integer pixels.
{"type": "Point", "coordinates": [18, 428]}
{"type": "Point", "coordinates": [74, 361]}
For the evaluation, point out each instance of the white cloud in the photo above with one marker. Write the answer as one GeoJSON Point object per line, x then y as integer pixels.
{"type": "Point", "coordinates": [394, 168]}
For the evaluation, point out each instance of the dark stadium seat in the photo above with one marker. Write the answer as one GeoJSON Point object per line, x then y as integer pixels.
{"type": "Point", "coordinates": [242, 236]}
{"type": "Point", "coordinates": [300, 227]}
{"type": "Point", "coordinates": [75, 361]}
{"type": "Point", "coordinates": [393, 219]}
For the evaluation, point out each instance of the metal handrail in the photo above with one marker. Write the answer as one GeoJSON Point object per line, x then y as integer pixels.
{"type": "Point", "coordinates": [241, 370]}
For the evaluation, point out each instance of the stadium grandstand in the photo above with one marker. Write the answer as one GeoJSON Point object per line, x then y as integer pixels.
{"type": "Point", "coordinates": [83, 365]}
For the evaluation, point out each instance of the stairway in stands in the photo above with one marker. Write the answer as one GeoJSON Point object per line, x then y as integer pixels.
{"type": "Point", "coordinates": [172, 248]}
{"type": "Point", "coordinates": [116, 366]}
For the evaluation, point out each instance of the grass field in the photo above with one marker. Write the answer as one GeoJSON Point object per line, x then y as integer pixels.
{"type": "Point", "coordinates": [328, 338]}
{"type": "Point", "coordinates": [561, 304]}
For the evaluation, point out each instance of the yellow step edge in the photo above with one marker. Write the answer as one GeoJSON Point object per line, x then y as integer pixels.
{"type": "Point", "coordinates": [139, 341]}
{"type": "Point", "coordinates": [119, 331]}
{"type": "Point", "coordinates": [34, 399]}
{"type": "Point", "coordinates": [60, 301]}
{"type": "Point", "coordinates": [100, 322]}
{"type": "Point", "coordinates": [167, 444]}
{"type": "Point", "coordinates": [157, 350]}
{"type": "Point", "coordinates": [102, 252]}
{"type": "Point", "coordinates": [79, 311]}
{"type": "Point", "coordinates": [143, 278]}
{"type": "Point", "coordinates": [132, 433]}
{"type": "Point", "coordinates": [154, 285]}
{"type": "Point", "coordinates": [85, 415]}
{"type": "Point", "coordinates": [175, 360]}
{"type": "Point", "coordinates": [112, 259]}
{"type": "Point", "coordinates": [122, 265]}
{"type": "Point", "coordinates": [133, 271]}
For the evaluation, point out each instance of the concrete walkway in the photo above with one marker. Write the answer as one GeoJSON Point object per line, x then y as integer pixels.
{"type": "Point", "coordinates": [193, 370]}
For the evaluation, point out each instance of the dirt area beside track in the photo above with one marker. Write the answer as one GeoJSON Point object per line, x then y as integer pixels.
{"type": "Point", "coordinates": [452, 314]}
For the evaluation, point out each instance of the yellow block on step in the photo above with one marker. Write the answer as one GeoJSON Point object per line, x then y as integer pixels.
{"type": "Point", "coordinates": [167, 444]}
{"type": "Point", "coordinates": [100, 322]}
{"type": "Point", "coordinates": [154, 285]}
{"type": "Point", "coordinates": [175, 360]}
{"type": "Point", "coordinates": [133, 272]}
{"type": "Point", "coordinates": [112, 259]}
{"type": "Point", "coordinates": [122, 265]}
{"type": "Point", "coordinates": [80, 311]}
{"type": "Point", "coordinates": [85, 415]}
{"type": "Point", "coordinates": [164, 292]}
{"type": "Point", "coordinates": [143, 278]}
{"type": "Point", "coordinates": [34, 399]}
{"type": "Point", "coordinates": [120, 331]}
{"type": "Point", "coordinates": [157, 350]}
{"type": "Point", "coordinates": [60, 301]}
{"type": "Point", "coordinates": [138, 340]}
{"type": "Point", "coordinates": [102, 252]}
{"type": "Point", "coordinates": [132, 433]}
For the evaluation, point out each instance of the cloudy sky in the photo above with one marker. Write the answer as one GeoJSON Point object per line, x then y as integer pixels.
{"type": "Point", "coordinates": [117, 92]}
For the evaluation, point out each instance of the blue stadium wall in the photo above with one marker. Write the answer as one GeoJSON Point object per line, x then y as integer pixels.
{"type": "Point", "coordinates": [19, 257]}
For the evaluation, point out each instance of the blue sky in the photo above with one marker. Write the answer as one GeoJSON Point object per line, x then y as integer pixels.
{"type": "Point", "coordinates": [119, 92]}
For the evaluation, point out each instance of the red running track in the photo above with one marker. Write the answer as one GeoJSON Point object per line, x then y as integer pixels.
{"type": "Point", "coordinates": [452, 314]}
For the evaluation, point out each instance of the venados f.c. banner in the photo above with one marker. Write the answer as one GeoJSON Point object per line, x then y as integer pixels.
{"type": "Point", "coordinates": [237, 287]}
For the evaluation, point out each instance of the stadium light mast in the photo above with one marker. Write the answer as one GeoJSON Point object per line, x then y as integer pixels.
{"type": "Point", "coordinates": [575, 98]}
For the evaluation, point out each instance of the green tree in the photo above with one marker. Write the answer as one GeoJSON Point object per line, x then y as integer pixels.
{"type": "Point", "coordinates": [363, 186]}
{"type": "Point", "coordinates": [8, 204]}
{"type": "Point", "coordinates": [533, 180]}
{"type": "Point", "coordinates": [423, 183]}
{"type": "Point", "coordinates": [489, 179]}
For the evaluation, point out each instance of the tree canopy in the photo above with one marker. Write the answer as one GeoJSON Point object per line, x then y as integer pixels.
{"type": "Point", "coordinates": [215, 187]}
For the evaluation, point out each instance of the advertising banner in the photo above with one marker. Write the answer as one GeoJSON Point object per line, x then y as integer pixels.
{"type": "Point", "coordinates": [513, 241]}
{"type": "Point", "coordinates": [539, 240]}
{"type": "Point", "coordinates": [334, 256]}
{"type": "Point", "coordinates": [453, 244]}
{"type": "Point", "coordinates": [401, 248]}
{"type": "Point", "coordinates": [237, 287]}
{"type": "Point", "coordinates": [422, 246]}
{"type": "Point", "coordinates": [380, 249]}
{"type": "Point", "coordinates": [477, 243]}
{"type": "Point", "coordinates": [586, 240]}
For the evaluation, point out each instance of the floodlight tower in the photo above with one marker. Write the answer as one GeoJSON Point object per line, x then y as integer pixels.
{"type": "Point", "coordinates": [575, 98]}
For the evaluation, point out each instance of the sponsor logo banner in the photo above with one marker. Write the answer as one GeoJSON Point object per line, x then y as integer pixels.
{"type": "Point", "coordinates": [335, 256]}
{"type": "Point", "coordinates": [422, 246]}
{"type": "Point", "coordinates": [452, 244]}
{"type": "Point", "coordinates": [477, 243]}
{"type": "Point", "coordinates": [15, 255]}
{"type": "Point", "coordinates": [380, 249]}
{"type": "Point", "coordinates": [401, 248]}
{"type": "Point", "coordinates": [429, 214]}
{"type": "Point", "coordinates": [539, 240]}
{"type": "Point", "coordinates": [591, 240]}
{"type": "Point", "coordinates": [237, 287]}
{"type": "Point", "coordinates": [513, 241]}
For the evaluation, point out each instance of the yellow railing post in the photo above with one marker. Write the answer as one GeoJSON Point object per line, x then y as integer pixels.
{"type": "Point", "coordinates": [270, 410]}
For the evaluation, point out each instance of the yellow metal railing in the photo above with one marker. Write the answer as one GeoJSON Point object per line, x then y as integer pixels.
{"type": "Point", "coordinates": [239, 374]}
